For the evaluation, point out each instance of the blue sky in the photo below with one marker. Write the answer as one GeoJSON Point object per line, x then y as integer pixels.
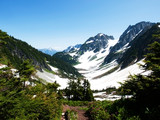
{"type": "Point", "coordinates": [61, 23]}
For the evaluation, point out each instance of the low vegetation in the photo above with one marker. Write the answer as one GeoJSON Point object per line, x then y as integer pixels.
{"type": "Point", "coordinates": [24, 98]}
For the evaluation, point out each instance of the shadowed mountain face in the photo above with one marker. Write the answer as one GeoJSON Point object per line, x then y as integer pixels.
{"type": "Point", "coordinates": [138, 47]}
{"type": "Point", "coordinates": [128, 35]}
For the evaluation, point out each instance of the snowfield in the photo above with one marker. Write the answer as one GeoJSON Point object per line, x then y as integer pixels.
{"type": "Point", "coordinates": [101, 96]}
{"type": "Point", "coordinates": [90, 67]}
{"type": "Point", "coordinates": [90, 61]}
{"type": "Point", "coordinates": [50, 78]}
{"type": "Point", "coordinates": [113, 79]}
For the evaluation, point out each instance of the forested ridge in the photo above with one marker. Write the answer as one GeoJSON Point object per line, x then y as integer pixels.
{"type": "Point", "coordinates": [14, 51]}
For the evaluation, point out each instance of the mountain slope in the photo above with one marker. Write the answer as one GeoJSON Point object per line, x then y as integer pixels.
{"type": "Point", "coordinates": [128, 35]}
{"type": "Point", "coordinates": [139, 46]}
{"type": "Point", "coordinates": [90, 54]}
{"type": "Point", "coordinates": [14, 51]}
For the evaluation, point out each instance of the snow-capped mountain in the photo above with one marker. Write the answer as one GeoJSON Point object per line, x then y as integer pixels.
{"type": "Point", "coordinates": [102, 56]}
{"type": "Point", "coordinates": [95, 43]}
{"type": "Point", "coordinates": [92, 53]}
{"type": "Point", "coordinates": [48, 51]}
{"type": "Point", "coordinates": [73, 48]}
{"type": "Point", "coordinates": [128, 35]}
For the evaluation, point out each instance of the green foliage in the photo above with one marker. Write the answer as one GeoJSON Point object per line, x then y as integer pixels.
{"type": "Point", "coordinates": [66, 57]}
{"type": "Point", "coordinates": [28, 102]}
{"type": "Point", "coordinates": [98, 110]}
{"type": "Point", "coordinates": [146, 89]}
{"type": "Point", "coordinates": [64, 67]}
{"type": "Point", "coordinates": [153, 59]}
{"type": "Point", "coordinates": [77, 90]}
{"type": "Point", "coordinates": [71, 115]}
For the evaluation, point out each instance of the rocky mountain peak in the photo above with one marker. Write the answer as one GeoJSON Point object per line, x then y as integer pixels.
{"type": "Point", "coordinates": [128, 35]}
{"type": "Point", "coordinates": [131, 32]}
{"type": "Point", "coordinates": [95, 43]}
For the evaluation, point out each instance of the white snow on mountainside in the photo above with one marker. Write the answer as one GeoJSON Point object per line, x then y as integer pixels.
{"type": "Point", "coordinates": [50, 77]}
{"type": "Point", "coordinates": [90, 61]}
{"type": "Point", "coordinates": [99, 59]}
{"type": "Point", "coordinates": [113, 79]}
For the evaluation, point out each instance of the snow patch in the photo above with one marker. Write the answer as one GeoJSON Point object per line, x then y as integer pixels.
{"type": "Point", "coordinates": [49, 77]}
{"type": "Point", "coordinates": [128, 31]}
{"type": "Point", "coordinates": [159, 26]}
{"type": "Point", "coordinates": [53, 68]}
{"type": "Point", "coordinates": [101, 96]}
{"type": "Point", "coordinates": [91, 41]}
{"type": "Point", "coordinates": [100, 34]}
{"type": "Point", "coordinates": [3, 66]}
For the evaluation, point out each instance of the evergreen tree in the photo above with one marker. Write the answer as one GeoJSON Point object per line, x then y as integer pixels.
{"type": "Point", "coordinates": [88, 95]}
{"type": "Point", "coordinates": [146, 88]}
{"type": "Point", "coordinates": [25, 71]}
{"type": "Point", "coordinates": [79, 90]}
{"type": "Point", "coordinates": [18, 102]}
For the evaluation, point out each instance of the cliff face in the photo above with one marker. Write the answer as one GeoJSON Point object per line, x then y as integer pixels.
{"type": "Point", "coordinates": [128, 35]}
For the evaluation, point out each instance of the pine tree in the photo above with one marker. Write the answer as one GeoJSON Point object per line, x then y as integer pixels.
{"type": "Point", "coordinates": [25, 71]}
{"type": "Point", "coordinates": [79, 90]}
{"type": "Point", "coordinates": [146, 88]}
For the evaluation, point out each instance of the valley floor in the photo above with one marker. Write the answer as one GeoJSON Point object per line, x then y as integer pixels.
{"type": "Point", "coordinates": [113, 79]}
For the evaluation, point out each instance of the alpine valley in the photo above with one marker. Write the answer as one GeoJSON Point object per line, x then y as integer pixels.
{"type": "Point", "coordinates": [101, 59]}
{"type": "Point", "coordinates": [122, 73]}
{"type": "Point", "coordinates": [105, 61]}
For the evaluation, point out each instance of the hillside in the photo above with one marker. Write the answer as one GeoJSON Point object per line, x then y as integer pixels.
{"type": "Point", "coordinates": [14, 51]}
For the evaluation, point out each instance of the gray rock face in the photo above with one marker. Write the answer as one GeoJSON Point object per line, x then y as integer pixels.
{"type": "Point", "coordinates": [95, 43]}
{"type": "Point", "coordinates": [128, 35]}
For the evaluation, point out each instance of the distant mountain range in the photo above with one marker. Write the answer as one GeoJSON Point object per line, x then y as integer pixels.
{"type": "Point", "coordinates": [72, 48]}
{"type": "Point", "coordinates": [48, 51]}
